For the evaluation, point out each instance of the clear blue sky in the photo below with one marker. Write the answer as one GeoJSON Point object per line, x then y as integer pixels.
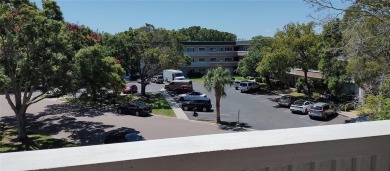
{"type": "Point", "coordinates": [245, 18]}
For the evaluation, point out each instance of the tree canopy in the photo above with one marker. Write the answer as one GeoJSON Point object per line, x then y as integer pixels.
{"type": "Point", "coordinates": [197, 33]}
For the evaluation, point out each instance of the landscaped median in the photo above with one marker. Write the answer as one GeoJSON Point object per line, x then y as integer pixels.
{"type": "Point", "coordinates": [8, 141]}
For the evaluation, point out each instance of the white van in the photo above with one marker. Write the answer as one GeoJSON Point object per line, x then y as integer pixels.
{"type": "Point", "coordinates": [248, 86]}
{"type": "Point", "coordinates": [177, 84]}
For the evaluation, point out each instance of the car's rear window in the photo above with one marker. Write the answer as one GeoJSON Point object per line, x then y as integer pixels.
{"type": "Point", "coordinates": [316, 107]}
{"type": "Point", "coordinates": [299, 102]}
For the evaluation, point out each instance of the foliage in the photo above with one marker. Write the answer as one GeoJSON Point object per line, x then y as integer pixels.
{"type": "Point", "coordinates": [331, 48]}
{"type": "Point", "coordinates": [379, 107]}
{"type": "Point", "coordinates": [196, 33]}
{"type": "Point", "coordinates": [216, 79]}
{"type": "Point", "coordinates": [97, 72]}
{"type": "Point", "coordinates": [247, 66]}
{"type": "Point", "coordinates": [32, 53]}
{"type": "Point", "coordinates": [149, 50]}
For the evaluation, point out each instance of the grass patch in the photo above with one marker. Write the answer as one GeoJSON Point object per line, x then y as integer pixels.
{"type": "Point", "coordinates": [8, 141]}
{"type": "Point", "coordinates": [239, 78]}
{"type": "Point", "coordinates": [296, 94]}
{"type": "Point", "coordinates": [158, 104]}
{"type": "Point", "coordinates": [196, 79]}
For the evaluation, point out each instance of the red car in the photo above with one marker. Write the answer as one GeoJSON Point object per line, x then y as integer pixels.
{"type": "Point", "coordinates": [130, 88]}
{"type": "Point", "coordinates": [183, 89]}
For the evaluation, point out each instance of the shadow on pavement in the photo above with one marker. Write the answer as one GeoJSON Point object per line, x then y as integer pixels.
{"type": "Point", "coordinates": [60, 119]}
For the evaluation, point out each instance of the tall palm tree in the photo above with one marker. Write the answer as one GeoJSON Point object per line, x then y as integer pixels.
{"type": "Point", "coordinates": [217, 79]}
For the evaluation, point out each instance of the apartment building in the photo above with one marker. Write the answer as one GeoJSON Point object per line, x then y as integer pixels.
{"type": "Point", "coordinates": [210, 54]}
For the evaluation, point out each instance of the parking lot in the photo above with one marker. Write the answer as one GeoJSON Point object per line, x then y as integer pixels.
{"type": "Point", "coordinates": [256, 111]}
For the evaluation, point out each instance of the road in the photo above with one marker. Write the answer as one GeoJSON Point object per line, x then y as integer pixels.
{"type": "Point", "coordinates": [257, 111]}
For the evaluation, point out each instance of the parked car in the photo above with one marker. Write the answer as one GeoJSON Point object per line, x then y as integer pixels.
{"type": "Point", "coordinates": [54, 93]}
{"type": "Point", "coordinates": [248, 86]}
{"type": "Point", "coordinates": [157, 79]}
{"type": "Point", "coordinates": [237, 84]}
{"type": "Point", "coordinates": [201, 105]}
{"type": "Point", "coordinates": [122, 136]}
{"type": "Point", "coordinates": [147, 81]}
{"type": "Point", "coordinates": [191, 96]}
{"type": "Point", "coordinates": [183, 89]}
{"type": "Point", "coordinates": [136, 109]}
{"type": "Point", "coordinates": [287, 100]}
{"type": "Point", "coordinates": [301, 106]}
{"type": "Point", "coordinates": [321, 110]}
{"type": "Point", "coordinates": [130, 88]}
{"type": "Point", "coordinates": [177, 84]}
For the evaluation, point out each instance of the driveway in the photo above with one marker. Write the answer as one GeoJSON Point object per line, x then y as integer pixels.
{"type": "Point", "coordinates": [89, 126]}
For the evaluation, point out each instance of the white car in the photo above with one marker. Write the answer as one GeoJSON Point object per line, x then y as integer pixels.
{"type": "Point", "coordinates": [248, 86]}
{"type": "Point", "coordinates": [191, 96]}
{"type": "Point", "coordinates": [301, 106]}
{"type": "Point", "coordinates": [147, 81]}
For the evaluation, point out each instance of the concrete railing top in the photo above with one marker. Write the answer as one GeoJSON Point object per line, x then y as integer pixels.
{"type": "Point", "coordinates": [66, 157]}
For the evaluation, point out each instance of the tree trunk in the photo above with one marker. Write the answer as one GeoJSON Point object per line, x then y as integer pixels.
{"type": "Point", "coordinates": [22, 123]}
{"type": "Point", "coordinates": [307, 83]}
{"type": "Point", "coordinates": [218, 105]}
{"type": "Point", "coordinates": [143, 87]}
{"type": "Point", "coordinates": [268, 81]}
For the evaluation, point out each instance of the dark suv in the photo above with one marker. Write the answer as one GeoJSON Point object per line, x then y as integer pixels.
{"type": "Point", "coordinates": [200, 105]}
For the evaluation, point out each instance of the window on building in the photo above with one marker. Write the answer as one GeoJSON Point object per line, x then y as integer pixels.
{"type": "Point", "coordinates": [213, 49]}
{"type": "Point", "coordinates": [201, 49]}
{"type": "Point", "coordinates": [213, 59]}
{"type": "Point", "coordinates": [202, 70]}
{"type": "Point", "coordinates": [190, 49]}
{"type": "Point", "coordinates": [236, 58]}
{"type": "Point", "coordinates": [228, 59]}
{"type": "Point", "coordinates": [222, 49]}
{"type": "Point", "coordinates": [201, 59]}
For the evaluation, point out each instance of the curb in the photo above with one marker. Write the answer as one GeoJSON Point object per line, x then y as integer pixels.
{"type": "Point", "coordinates": [178, 111]}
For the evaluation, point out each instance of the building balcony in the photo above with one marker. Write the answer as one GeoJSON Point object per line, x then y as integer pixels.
{"type": "Point", "coordinates": [213, 64]}
{"type": "Point", "coordinates": [346, 147]}
{"type": "Point", "coordinates": [217, 53]}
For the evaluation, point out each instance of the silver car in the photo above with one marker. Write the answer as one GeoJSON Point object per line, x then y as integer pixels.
{"type": "Point", "coordinates": [322, 110]}
{"type": "Point", "coordinates": [301, 106]}
{"type": "Point", "coordinates": [191, 96]}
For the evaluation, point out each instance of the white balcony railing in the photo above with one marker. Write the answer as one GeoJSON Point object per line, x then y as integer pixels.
{"type": "Point", "coordinates": [217, 53]}
{"type": "Point", "coordinates": [363, 146]}
{"type": "Point", "coordinates": [214, 64]}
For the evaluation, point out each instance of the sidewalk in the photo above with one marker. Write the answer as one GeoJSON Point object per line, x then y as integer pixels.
{"type": "Point", "coordinates": [350, 115]}
{"type": "Point", "coordinates": [175, 106]}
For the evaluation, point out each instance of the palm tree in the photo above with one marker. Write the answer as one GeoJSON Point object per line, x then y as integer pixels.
{"type": "Point", "coordinates": [217, 79]}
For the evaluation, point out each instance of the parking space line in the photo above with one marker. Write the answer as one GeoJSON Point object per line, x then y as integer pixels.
{"type": "Point", "coordinates": [303, 116]}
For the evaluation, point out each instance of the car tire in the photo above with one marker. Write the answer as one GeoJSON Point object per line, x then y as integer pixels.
{"type": "Point", "coordinates": [136, 113]}
{"type": "Point", "coordinates": [305, 112]}
{"type": "Point", "coordinates": [181, 99]}
{"type": "Point", "coordinates": [185, 108]}
{"type": "Point", "coordinates": [325, 117]}
{"type": "Point", "coordinates": [311, 117]}
{"type": "Point", "coordinates": [204, 109]}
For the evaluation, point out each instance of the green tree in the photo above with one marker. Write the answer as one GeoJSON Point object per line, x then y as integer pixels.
{"type": "Point", "coordinates": [197, 33]}
{"type": "Point", "coordinates": [216, 79]}
{"type": "Point", "coordinates": [247, 66]}
{"type": "Point", "coordinates": [153, 50]}
{"type": "Point", "coordinates": [301, 40]}
{"type": "Point", "coordinates": [31, 52]}
{"type": "Point", "coordinates": [98, 72]}
{"type": "Point", "coordinates": [276, 61]}
{"type": "Point", "coordinates": [331, 49]}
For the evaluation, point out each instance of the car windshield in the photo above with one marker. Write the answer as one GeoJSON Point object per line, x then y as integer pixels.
{"type": "Point", "coordinates": [299, 102]}
{"type": "Point", "coordinates": [285, 97]}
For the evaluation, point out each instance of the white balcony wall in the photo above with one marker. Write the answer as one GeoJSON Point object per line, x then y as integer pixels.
{"type": "Point", "coordinates": [346, 147]}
